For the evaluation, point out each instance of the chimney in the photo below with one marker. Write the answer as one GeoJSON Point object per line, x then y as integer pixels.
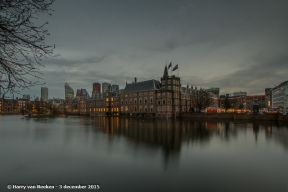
{"type": "Point", "coordinates": [135, 80]}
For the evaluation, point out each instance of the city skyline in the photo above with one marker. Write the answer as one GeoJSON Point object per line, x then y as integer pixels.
{"type": "Point", "coordinates": [231, 45]}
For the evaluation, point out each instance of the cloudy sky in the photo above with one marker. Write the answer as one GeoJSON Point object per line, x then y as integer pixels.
{"type": "Point", "coordinates": [234, 45]}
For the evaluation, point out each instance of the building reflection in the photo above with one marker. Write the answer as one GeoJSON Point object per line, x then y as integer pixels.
{"type": "Point", "coordinates": [169, 134]}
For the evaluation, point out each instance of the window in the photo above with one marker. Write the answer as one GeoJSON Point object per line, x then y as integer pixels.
{"type": "Point", "coordinates": [169, 87]}
{"type": "Point", "coordinates": [151, 100]}
{"type": "Point", "coordinates": [135, 101]}
{"type": "Point", "coordinates": [159, 103]}
{"type": "Point", "coordinates": [126, 102]}
{"type": "Point", "coordinates": [146, 108]}
{"type": "Point", "coordinates": [151, 108]}
{"type": "Point", "coordinates": [151, 93]}
{"type": "Point", "coordinates": [140, 108]}
{"type": "Point", "coordinates": [140, 100]}
{"type": "Point", "coordinates": [140, 94]}
{"type": "Point", "coordinates": [163, 102]}
{"type": "Point", "coordinates": [130, 100]}
{"type": "Point", "coordinates": [145, 100]}
{"type": "Point", "coordinates": [158, 95]}
{"type": "Point", "coordinates": [145, 93]}
{"type": "Point", "coordinates": [135, 94]}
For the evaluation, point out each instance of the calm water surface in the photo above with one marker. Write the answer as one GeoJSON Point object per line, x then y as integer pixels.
{"type": "Point", "coordinates": [126, 154]}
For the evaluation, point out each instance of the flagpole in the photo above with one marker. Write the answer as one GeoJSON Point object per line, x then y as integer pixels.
{"type": "Point", "coordinates": [178, 71]}
{"type": "Point", "coordinates": [171, 69]}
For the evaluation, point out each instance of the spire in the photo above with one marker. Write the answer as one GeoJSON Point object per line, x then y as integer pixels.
{"type": "Point", "coordinates": [165, 72]}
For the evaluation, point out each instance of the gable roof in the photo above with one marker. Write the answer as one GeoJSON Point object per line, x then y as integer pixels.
{"type": "Point", "coordinates": [141, 86]}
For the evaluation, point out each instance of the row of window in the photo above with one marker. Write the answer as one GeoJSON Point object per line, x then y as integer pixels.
{"type": "Point", "coordinates": [177, 82]}
{"type": "Point", "coordinates": [175, 88]}
{"type": "Point", "coordinates": [103, 109]}
{"type": "Point", "coordinates": [135, 101]}
{"type": "Point", "coordinates": [139, 94]}
{"type": "Point", "coordinates": [137, 109]}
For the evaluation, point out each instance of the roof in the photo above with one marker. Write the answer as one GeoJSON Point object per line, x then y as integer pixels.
{"type": "Point", "coordinates": [141, 86]}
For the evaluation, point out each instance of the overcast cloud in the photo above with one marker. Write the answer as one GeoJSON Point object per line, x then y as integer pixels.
{"type": "Point", "coordinates": [234, 45]}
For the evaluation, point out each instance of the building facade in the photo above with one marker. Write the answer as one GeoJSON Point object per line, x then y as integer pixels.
{"type": "Point", "coordinates": [82, 93]}
{"type": "Point", "coordinates": [44, 93]}
{"type": "Point", "coordinates": [115, 87]}
{"type": "Point", "coordinates": [280, 97]}
{"type": "Point", "coordinates": [239, 94]}
{"type": "Point", "coordinates": [69, 92]}
{"type": "Point", "coordinates": [102, 104]}
{"type": "Point", "coordinates": [96, 88]}
{"type": "Point", "coordinates": [106, 87]}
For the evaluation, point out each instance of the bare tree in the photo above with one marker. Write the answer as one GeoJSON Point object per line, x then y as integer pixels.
{"type": "Point", "coordinates": [201, 99]}
{"type": "Point", "coordinates": [22, 43]}
{"type": "Point", "coordinates": [227, 102]}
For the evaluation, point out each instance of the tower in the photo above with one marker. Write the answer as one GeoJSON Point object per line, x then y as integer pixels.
{"type": "Point", "coordinates": [69, 92]}
{"type": "Point", "coordinates": [44, 93]}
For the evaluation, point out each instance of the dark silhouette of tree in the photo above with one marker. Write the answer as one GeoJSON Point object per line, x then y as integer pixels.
{"type": "Point", "coordinates": [201, 99]}
{"type": "Point", "coordinates": [227, 103]}
{"type": "Point", "coordinates": [22, 43]}
{"type": "Point", "coordinates": [29, 107]}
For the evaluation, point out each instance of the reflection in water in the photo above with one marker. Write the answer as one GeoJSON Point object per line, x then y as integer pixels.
{"type": "Point", "coordinates": [169, 134]}
{"type": "Point", "coordinates": [156, 154]}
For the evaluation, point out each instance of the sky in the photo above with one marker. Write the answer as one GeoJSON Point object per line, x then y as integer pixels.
{"type": "Point", "coordinates": [233, 45]}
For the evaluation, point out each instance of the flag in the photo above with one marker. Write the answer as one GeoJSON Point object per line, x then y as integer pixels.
{"type": "Point", "coordinates": [170, 65]}
{"type": "Point", "coordinates": [174, 68]}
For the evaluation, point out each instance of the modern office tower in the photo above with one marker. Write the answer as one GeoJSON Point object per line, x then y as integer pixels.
{"type": "Point", "coordinates": [26, 96]}
{"type": "Point", "coordinates": [69, 92]}
{"type": "Point", "coordinates": [44, 93]}
{"type": "Point", "coordinates": [280, 97]}
{"type": "Point", "coordinates": [96, 88]}
{"type": "Point", "coordinates": [115, 87]}
{"type": "Point", "coordinates": [106, 87]}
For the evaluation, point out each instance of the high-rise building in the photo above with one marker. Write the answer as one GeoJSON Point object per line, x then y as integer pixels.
{"type": "Point", "coordinates": [115, 87]}
{"type": "Point", "coordinates": [96, 88]}
{"type": "Point", "coordinates": [44, 93]}
{"type": "Point", "coordinates": [280, 97]}
{"type": "Point", "coordinates": [69, 92]}
{"type": "Point", "coordinates": [106, 87]}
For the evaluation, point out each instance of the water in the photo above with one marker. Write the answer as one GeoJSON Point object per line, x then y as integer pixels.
{"type": "Point", "coordinates": [126, 154]}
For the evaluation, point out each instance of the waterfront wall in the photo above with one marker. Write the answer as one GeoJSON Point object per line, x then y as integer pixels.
{"type": "Point", "coordinates": [235, 116]}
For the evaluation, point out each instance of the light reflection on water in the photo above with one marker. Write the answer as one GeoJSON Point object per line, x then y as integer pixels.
{"type": "Point", "coordinates": [129, 154]}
